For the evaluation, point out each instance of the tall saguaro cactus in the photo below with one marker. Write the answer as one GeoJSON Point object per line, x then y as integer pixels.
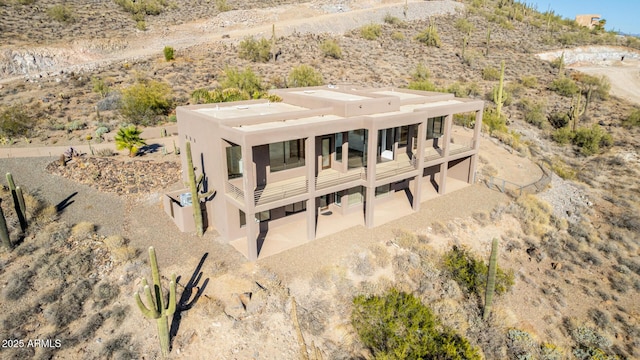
{"type": "Point", "coordinates": [576, 111]}
{"type": "Point", "coordinates": [4, 231]}
{"type": "Point", "coordinates": [157, 309]}
{"type": "Point", "coordinates": [18, 202]}
{"type": "Point", "coordinates": [499, 96]}
{"type": "Point", "coordinates": [491, 280]}
{"type": "Point", "coordinates": [194, 187]}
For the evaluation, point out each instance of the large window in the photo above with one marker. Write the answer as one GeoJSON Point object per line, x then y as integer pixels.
{"type": "Point", "coordinates": [383, 190]}
{"type": "Point", "coordinates": [357, 148]}
{"type": "Point", "coordinates": [286, 155]}
{"type": "Point", "coordinates": [295, 207]}
{"type": "Point", "coordinates": [234, 161]}
{"type": "Point", "coordinates": [435, 127]}
{"type": "Point", "coordinates": [355, 195]}
{"type": "Point", "coordinates": [339, 147]}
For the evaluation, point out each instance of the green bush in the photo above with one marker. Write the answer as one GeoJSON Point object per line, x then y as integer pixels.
{"type": "Point", "coordinates": [255, 50]}
{"type": "Point", "coordinates": [371, 31]}
{"type": "Point", "coordinates": [62, 13]}
{"type": "Point", "coordinates": [559, 120]}
{"type": "Point", "coordinates": [633, 119]}
{"type": "Point", "coordinates": [471, 273]}
{"type": "Point", "coordinates": [398, 326]}
{"type": "Point", "coordinates": [392, 20]}
{"type": "Point", "coordinates": [143, 102]}
{"type": "Point", "coordinates": [245, 80]}
{"type": "Point", "coordinates": [142, 7]}
{"type": "Point", "coordinates": [429, 36]}
{"type": "Point", "coordinates": [564, 86]}
{"type": "Point", "coordinates": [16, 121]}
{"type": "Point", "coordinates": [590, 140]}
{"type": "Point", "coordinates": [222, 5]}
{"type": "Point", "coordinates": [490, 74]}
{"type": "Point", "coordinates": [330, 48]}
{"type": "Point", "coordinates": [529, 81]}
{"type": "Point", "coordinates": [304, 75]}
{"type": "Point", "coordinates": [534, 112]}
{"type": "Point", "coordinates": [492, 122]}
{"type": "Point", "coordinates": [464, 26]}
{"type": "Point", "coordinates": [168, 53]}
{"type": "Point", "coordinates": [397, 36]}
{"type": "Point", "coordinates": [562, 135]}
{"type": "Point", "coordinates": [99, 86]}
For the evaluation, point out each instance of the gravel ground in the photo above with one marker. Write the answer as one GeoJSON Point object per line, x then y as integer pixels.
{"type": "Point", "coordinates": [567, 199]}
{"type": "Point", "coordinates": [83, 202]}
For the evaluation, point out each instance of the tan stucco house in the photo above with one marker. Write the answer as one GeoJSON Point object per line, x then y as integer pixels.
{"type": "Point", "coordinates": [322, 150]}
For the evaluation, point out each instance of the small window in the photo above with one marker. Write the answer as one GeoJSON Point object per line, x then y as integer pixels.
{"type": "Point", "coordinates": [243, 218]}
{"type": "Point", "coordinates": [435, 127]}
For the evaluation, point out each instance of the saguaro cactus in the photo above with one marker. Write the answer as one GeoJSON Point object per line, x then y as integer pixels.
{"type": "Point", "coordinates": [576, 111]}
{"type": "Point", "coordinates": [18, 202]}
{"type": "Point", "coordinates": [499, 96]}
{"type": "Point", "coordinates": [491, 280]}
{"type": "Point", "coordinates": [4, 231]}
{"type": "Point", "coordinates": [157, 309]}
{"type": "Point", "coordinates": [194, 187]}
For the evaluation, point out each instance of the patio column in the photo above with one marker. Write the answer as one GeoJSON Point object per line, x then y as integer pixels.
{"type": "Point", "coordinates": [476, 147]}
{"type": "Point", "coordinates": [372, 159]}
{"type": "Point", "coordinates": [443, 178]}
{"type": "Point", "coordinates": [345, 151]}
{"type": "Point", "coordinates": [311, 162]}
{"type": "Point", "coordinates": [249, 185]}
{"type": "Point", "coordinates": [448, 122]}
{"type": "Point", "coordinates": [417, 186]}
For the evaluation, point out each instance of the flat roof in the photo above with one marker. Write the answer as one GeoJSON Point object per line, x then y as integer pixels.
{"type": "Point", "coordinates": [248, 110]}
{"type": "Point", "coordinates": [401, 95]}
{"type": "Point", "coordinates": [333, 95]}
{"type": "Point", "coordinates": [288, 122]}
{"type": "Point", "coordinates": [411, 107]}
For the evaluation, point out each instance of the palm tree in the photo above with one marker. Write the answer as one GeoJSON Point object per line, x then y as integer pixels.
{"type": "Point", "coordinates": [128, 137]}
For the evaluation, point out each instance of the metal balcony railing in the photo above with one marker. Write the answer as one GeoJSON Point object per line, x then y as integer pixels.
{"type": "Point", "coordinates": [235, 192]}
{"type": "Point", "coordinates": [337, 178]}
{"type": "Point", "coordinates": [272, 193]}
{"type": "Point", "coordinates": [390, 169]}
{"type": "Point", "coordinates": [457, 148]}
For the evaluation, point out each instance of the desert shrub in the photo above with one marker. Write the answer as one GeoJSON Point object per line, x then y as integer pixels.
{"type": "Point", "coordinates": [222, 5]}
{"type": "Point", "coordinates": [493, 123]}
{"type": "Point", "coordinates": [397, 36]}
{"type": "Point", "coordinates": [83, 230]}
{"type": "Point", "coordinates": [392, 20]}
{"type": "Point", "coordinates": [563, 135]}
{"type": "Point", "coordinates": [429, 36]}
{"type": "Point", "coordinates": [16, 121]}
{"type": "Point", "coordinates": [471, 273]}
{"type": "Point", "coordinates": [559, 120]}
{"type": "Point", "coordinates": [371, 31]}
{"type": "Point", "coordinates": [534, 112]}
{"type": "Point", "coordinates": [590, 140]}
{"type": "Point", "coordinates": [520, 344]}
{"type": "Point", "coordinates": [397, 325]}
{"type": "Point", "coordinates": [19, 284]}
{"type": "Point", "coordinates": [590, 344]}
{"type": "Point", "coordinates": [75, 125]}
{"type": "Point", "coordinates": [535, 215]}
{"type": "Point", "coordinates": [529, 81]}
{"type": "Point", "coordinates": [119, 347]}
{"type": "Point", "coordinates": [420, 79]}
{"type": "Point", "coordinates": [141, 25]}
{"type": "Point", "coordinates": [633, 119]}
{"type": "Point", "coordinates": [140, 8]}
{"type": "Point", "coordinates": [551, 352]}
{"type": "Point", "coordinates": [255, 50]}
{"type": "Point", "coordinates": [490, 73]}
{"type": "Point", "coordinates": [168, 53]}
{"type": "Point", "coordinates": [245, 80]}
{"type": "Point", "coordinates": [330, 48]}
{"type": "Point", "coordinates": [99, 86]}
{"type": "Point", "coordinates": [562, 169]}
{"type": "Point", "coordinates": [564, 86]}
{"type": "Point", "coordinates": [304, 75]}
{"type": "Point", "coordinates": [101, 131]}
{"type": "Point", "coordinates": [464, 26]}
{"type": "Point", "coordinates": [104, 294]}
{"type": "Point", "coordinates": [143, 102]}
{"type": "Point", "coordinates": [62, 13]}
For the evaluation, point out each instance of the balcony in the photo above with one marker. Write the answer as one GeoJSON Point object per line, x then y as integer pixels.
{"type": "Point", "coordinates": [402, 164]}
{"type": "Point", "coordinates": [460, 146]}
{"type": "Point", "coordinates": [329, 177]}
{"type": "Point", "coordinates": [280, 190]}
{"type": "Point", "coordinates": [432, 153]}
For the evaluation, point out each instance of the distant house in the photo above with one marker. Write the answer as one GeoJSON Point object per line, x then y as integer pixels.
{"type": "Point", "coordinates": [321, 154]}
{"type": "Point", "coordinates": [588, 20]}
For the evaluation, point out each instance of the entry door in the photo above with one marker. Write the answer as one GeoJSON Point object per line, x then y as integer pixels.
{"type": "Point", "coordinates": [326, 153]}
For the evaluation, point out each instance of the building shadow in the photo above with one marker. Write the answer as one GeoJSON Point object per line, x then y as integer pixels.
{"type": "Point", "coordinates": [149, 149]}
{"type": "Point", "coordinates": [187, 298]}
{"type": "Point", "coordinates": [264, 229]}
{"type": "Point", "coordinates": [65, 202]}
